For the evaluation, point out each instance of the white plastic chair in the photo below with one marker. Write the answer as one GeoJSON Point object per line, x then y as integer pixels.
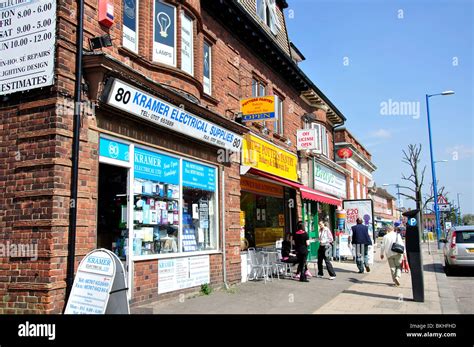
{"type": "Point", "coordinates": [256, 265]}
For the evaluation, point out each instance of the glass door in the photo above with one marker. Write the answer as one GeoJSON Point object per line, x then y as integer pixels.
{"type": "Point", "coordinates": [310, 217]}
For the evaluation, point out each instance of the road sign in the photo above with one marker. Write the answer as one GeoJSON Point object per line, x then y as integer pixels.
{"type": "Point", "coordinates": [442, 200]}
{"type": "Point", "coordinates": [412, 222]}
{"type": "Point", "coordinates": [444, 207]}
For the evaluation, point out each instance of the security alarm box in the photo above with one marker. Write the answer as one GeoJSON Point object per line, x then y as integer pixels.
{"type": "Point", "coordinates": [106, 13]}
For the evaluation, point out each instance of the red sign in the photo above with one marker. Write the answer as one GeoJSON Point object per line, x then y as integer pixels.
{"type": "Point", "coordinates": [344, 153]}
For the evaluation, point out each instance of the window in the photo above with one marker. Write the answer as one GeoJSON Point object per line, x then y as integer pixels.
{"type": "Point", "coordinates": [351, 188]}
{"type": "Point", "coordinates": [278, 124]}
{"type": "Point", "coordinates": [258, 88]}
{"type": "Point", "coordinates": [130, 25]}
{"type": "Point", "coordinates": [207, 68]}
{"type": "Point", "coordinates": [187, 48]}
{"type": "Point", "coordinates": [164, 34]}
{"type": "Point", "coordinates": [267, 11]}
{"type": "Point", "coordinates": [358, 196]}
{"type": "Point", "coordinates": [323, 138]}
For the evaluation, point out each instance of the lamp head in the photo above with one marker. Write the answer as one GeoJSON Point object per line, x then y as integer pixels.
{"type": "Point", "coordinates": [447, 92]}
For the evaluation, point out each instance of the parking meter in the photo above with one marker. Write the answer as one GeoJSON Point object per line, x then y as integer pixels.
{"type": "Point", "coordinates": [413, 249]}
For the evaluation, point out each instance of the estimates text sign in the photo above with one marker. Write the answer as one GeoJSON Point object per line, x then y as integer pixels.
{"type": "Point", "coordinates": [27, 39]}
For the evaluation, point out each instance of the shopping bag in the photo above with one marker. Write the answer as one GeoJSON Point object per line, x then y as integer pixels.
{"type": "Point", "coordinates": [405, 266]}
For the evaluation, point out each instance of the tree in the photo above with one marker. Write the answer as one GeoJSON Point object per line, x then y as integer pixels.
{"type": "Point", "coordinates": [412, 158]}
{"type": "Point", "coordinates": [468, 219]}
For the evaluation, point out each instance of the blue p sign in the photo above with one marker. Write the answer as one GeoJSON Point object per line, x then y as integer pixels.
{"type": "Point", "coordinates": [412, 222]}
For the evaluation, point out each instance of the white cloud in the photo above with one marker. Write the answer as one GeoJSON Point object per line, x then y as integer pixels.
{"type": "Point", "coordinates": [381, 134]}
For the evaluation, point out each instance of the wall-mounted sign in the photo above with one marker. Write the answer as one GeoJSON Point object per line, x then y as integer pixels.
{"type": "Point", "coordinates": [187, 56]}
{"type": "Point", "coordinates": [130, 16]}
{"type": "Point", "coordinates": [156, 166]}
{"type": "Point", "coordinates": [207, 61]}
{"type": "Point", "coordinates": [199, 176]}
{"type": "Point", "coordinates": [181, 273]}
{"type": "Point", "coordinates": [164, 44]}
{"type": "Point", "coordinates": [306, 139]}
{"type": "Point", "coordinates": [27, 44]}
{"type": "Point", "coordinates": [267, 157]}
{"type": "Point", "coordinates": [329, 181]}
{"type": "Point", "coordinates": [260, 187]}
{"type": "Point", "coordinates": [344, 153]}
{"type": "Point", "coordinates": [113, 149]}
{"type": "Point", "coordinates": [141, 104]}
{"type": "Point", "coordinates": [259, 108]}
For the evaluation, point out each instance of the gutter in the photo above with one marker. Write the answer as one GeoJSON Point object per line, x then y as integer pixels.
{"type": "Point", "coordinates": [71, 258]}
{"type": "Point", "coordinates": [224, 256]}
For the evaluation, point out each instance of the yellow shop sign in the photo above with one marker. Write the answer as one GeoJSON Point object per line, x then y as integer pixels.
{"type": "Point", "coordinates": [264, 156]}
{"type": "Point", "coordinates": [259, 108]}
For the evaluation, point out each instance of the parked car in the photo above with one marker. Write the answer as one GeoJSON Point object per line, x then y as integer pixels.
{"type": "Point", "coordinates": [458, 248]}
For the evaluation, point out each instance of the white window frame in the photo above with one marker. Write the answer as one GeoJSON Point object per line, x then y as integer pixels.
{"type": "Point", "coordinates": [270, 15]}
{"type": "Point", "coordinates": [351, 188]}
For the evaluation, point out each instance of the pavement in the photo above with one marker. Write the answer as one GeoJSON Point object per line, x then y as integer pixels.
{"type": "Point", "coordinates": [349, 293]}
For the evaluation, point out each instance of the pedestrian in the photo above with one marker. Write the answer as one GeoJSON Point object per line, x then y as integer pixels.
{"type": "Point", "coordinates": [325, 248]}
{"type": "Point", "coordinates": [394, 259]}
{"type": "Point", "coordinates": [360, 239]}
{"type": "Point", "coordinates": [301, 241]}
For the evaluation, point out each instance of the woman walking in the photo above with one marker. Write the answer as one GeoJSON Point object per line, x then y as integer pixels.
{"type": "Point", "coordinates": [325, 247]}
{"type": "Point", "coordinates": [301, 241]}
{"type": "Point", "coordinates": [394, 259]}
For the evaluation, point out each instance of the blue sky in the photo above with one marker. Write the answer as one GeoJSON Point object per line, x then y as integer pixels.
{"type": "Point", "coordinates": [371, 56]}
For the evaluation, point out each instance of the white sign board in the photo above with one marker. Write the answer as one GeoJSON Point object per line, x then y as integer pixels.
{"type": "Point", "coordinates": [187, 59]}
{"type": "Point", "coordinates": [448, 225]}
{"type": "Point", "coordinates": [345, 250]}
{"type": "Point", "coordinates": [181, 273]}
{"type": "Point", "coordinates": [27, 42]}
{"type": "Point", "coordinates": [306, 139]}
{"type": "Point", "coordinates": [444, 207]}
{"type": "Point", "coordinates": [363, 209]}
{"type": "Point", "coordinates": [329, 181]}
{"type": "Point", "coordinates": [91, 289]}
{"type": "Point", "coordinates": [139, 103]}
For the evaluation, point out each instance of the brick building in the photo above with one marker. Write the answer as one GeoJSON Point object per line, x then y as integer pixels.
{"type": "Point", "coordinates": [385, 208]}
{"type": "Point", "coordinates": [358, 163]}
{"type": "Point", "coordinates": [160, 180]}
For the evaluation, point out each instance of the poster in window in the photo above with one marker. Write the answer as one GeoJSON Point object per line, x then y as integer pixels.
{"type": "Point", "coordinates": [187, 44]}
{"type": "Point", "coordinates": [164, 34]}
{"type": "Point", "coordinates": [130, 14]}
{"type": "Point", "coordinates": [207, 68]}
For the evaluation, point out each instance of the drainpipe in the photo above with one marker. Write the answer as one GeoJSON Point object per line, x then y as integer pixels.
{"type": "Point", "coordinates": [75, 151]}
{"type": "Point", "coordinates": [224, 257]}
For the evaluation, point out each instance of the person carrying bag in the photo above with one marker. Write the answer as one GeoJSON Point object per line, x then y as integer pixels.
{"type": "Point", "coordinates": [393, 248]}
{"type": "Point", "coordinates": [324, 252]}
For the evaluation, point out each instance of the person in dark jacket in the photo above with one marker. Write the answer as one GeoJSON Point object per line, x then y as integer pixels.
{"type": "Point", "coordinates": [301, 240]}
{"type": "Point", "coordinates": [360, 239]}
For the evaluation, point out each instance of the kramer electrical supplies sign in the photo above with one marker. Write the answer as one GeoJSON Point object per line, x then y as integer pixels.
{"type": "Point", "coordinates": [259, 109]}
{"type": "Point", "coordinates": [27, 39]}
{"type": "Point", "coordinates": [264, 156]}
{"type": "Point", "coordinates": [132, 100]}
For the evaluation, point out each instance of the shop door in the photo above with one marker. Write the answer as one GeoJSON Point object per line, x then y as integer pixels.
{"type": "Point", "coordinates": [310, 217]}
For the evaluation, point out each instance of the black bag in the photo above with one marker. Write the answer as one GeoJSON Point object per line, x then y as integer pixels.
{"type": "Point", "coordinates": [397, 247]}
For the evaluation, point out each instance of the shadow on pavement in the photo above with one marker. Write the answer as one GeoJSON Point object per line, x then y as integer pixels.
{"type": "Point", "coordinates": [357, 281]}
{"type": "Point", "coordinates": [373, 295]}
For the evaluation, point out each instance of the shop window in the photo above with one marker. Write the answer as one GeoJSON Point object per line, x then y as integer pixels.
{"type": "Point", "coordinates": [164, 33]}
{"type": "Point", "coordinates": [199, 207]}
{"type": "Point", "coordinates": [207, 68]}
{"type": "Point", "coordinates": [130, 25]}
{"type": "Point", "coordinates": [156, 203]}
{"type": "Point", "coordinates": [187, 46]}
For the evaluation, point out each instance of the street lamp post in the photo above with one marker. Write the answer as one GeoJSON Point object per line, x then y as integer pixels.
{"type": "Point", "coordinates": [433, 170]}
{"type": "Point", "coordinates": [459, 211]}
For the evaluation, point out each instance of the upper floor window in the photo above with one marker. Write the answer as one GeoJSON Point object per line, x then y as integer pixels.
{"type": "Point", "coordinates": [258, 88]}
{"type": "Point", "coordinates": [207, 68]}
{"type": "Point", "coordinates": [164, 33]}
{"type": "Point", "coordinates": [322, 134]}
{"type": "Point", "coordinates": [278, 124]}
{"type": "Point", "coordinates": [130, 25]}
{"type": "Point", "coordinates": [267, 11]}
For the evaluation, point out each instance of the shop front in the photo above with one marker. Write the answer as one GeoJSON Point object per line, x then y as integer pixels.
{"type": "Point", "coordinates": [321, 202]}
{"type": "Point", "coordinates": [160, 189]}
{"type": "Point", "coordinates": [268, 193]}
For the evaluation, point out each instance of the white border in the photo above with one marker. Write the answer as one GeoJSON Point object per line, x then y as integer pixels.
{"type": "Point", "coordinates": [175, 33]}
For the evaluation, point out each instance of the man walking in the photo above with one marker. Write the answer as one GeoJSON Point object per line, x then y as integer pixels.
{"type": "Point", "coordinates": [361, 241]}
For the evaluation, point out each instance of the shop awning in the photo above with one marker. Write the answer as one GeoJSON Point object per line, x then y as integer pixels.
{"type": "Point", "coordinates": [311, 194]}
{"type": "Point", "coordinates": [306, 192]}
